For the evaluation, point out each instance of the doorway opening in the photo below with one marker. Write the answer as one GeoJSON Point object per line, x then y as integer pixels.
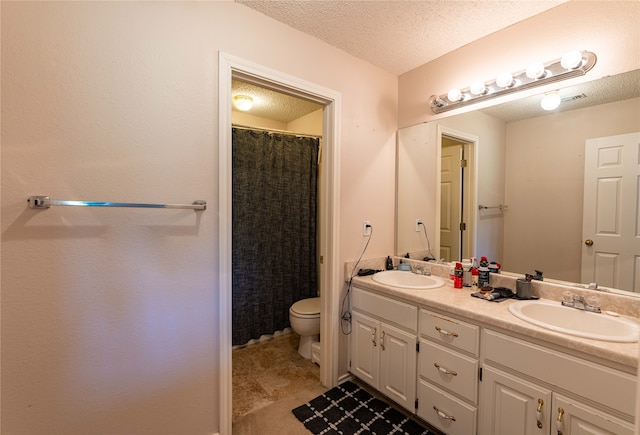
{"type": "Point", "coordinates": [458, 193]}
{"type": "Point", "coordinates": [231, 67]}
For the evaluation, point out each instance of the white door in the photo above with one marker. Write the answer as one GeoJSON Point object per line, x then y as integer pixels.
{"type": "Point", "coordinates": [365, 356]}
{"type": "Point", "coordinates": [450, 201]}
{"type": "Point", "coordinates": [513, 406]}
{"type": "Point", "coordinates": [610, 228]}
{"type": "Point", "coordinates": [398, 366]}
{"type": "Point", "coordinates": [571, 417]}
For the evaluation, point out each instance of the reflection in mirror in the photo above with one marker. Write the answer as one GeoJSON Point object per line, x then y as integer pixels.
{"type": "Point", "coordinates": [534, 163]}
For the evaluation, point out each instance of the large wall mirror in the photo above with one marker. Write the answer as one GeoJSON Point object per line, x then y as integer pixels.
{"type": "Point", "coordinates": [552, 191]}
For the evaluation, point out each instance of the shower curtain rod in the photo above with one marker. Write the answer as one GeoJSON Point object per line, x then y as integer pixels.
{"type": "Point", "coordinates": [273, 130]}
{"type": "Point", "coordinates": [46, 202]}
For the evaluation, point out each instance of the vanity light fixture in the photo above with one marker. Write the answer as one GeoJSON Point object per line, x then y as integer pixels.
{"type": "Point", "coordinates": [243, 102]}
{"type": "Point", "coordinates": [573, 64]}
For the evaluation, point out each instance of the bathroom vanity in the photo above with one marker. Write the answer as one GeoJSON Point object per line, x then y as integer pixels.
{"type": "Point", "coordinates": [468, 366]}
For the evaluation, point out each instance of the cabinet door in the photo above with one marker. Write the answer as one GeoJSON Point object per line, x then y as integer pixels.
{"type": "Point", "coordinates": [398, 365]}
{"type": "Point", "coordinates": [365, 352]}
{"type": "Point", "coordinates": [574, 418]}
{"type": "Point", "coordinates": [513, 406]}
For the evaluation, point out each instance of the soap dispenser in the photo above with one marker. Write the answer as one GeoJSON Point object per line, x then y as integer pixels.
{"type": "Point", "coordinates": [389, 263]}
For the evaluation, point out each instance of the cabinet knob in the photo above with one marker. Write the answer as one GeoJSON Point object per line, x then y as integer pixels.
{"type": "Point", "coordinates": [373, 337]}
{"type": "Point", "coordinates": [382, 341]}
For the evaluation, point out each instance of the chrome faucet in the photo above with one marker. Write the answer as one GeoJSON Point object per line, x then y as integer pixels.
{"type": "Point", "coordinates": [420, 270]}
{"type": "Point", "coordinates": [579, 303]}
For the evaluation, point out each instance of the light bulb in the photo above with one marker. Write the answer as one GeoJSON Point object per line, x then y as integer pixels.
{"type": "Point", "coordinates": [454, 95]}
{"type": "Point", "coordinates": [536, 70]}
{"type": "Point", "coordinates": [478, 88]}
{"type": "Point", "coordinates": [551, 101]}
{"type": "Point", "coordinates": [243, 102]}
{"type": "Point", "coordinates": [571, 59]}
{"type": "Point", "coordinates": [505, 80]}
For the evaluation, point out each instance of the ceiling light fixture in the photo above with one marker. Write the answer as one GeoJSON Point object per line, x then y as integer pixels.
{"type": "Point", "coordinates": [573, 64]}
{"type": "Point", "coordinates": [243, 102]}
{"type": "Point", "coordinates": [550, 101]}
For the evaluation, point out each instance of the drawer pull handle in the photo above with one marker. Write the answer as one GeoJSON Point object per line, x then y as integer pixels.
{"type": "Point", "coordinates": [373, 337]}
{"type": "Point", "coordinates": [539, 413]}
{"type": "Point", "coordinates": [382, 341]}
{"type": "Point", "coordinates": [444, 370]}
{"type": "Point", "coordinates": [560, 424]}
{"type": "Point", "coordinates": [443, 415]}
{"type": "Point", "coordinates": [443, 332]}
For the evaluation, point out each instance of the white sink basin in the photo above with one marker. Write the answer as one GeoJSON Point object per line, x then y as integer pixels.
{"type": "Point", "coordinates": [597, 326]}
{"type": "Point", "coordinates": [408, 280]}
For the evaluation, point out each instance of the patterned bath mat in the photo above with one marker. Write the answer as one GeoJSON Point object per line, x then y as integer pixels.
{"type": "Point", "coordinates": [348, 409]}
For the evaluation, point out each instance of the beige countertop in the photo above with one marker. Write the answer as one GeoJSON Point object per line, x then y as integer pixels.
{"type": "Point", "coordinates": [496, 315]}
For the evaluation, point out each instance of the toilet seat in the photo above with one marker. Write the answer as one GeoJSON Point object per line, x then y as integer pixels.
{"type": "Point", "coordinates": [306, 308]}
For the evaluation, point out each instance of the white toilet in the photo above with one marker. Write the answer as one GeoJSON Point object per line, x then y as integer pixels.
{"type": "Point", "coordinates": [304, 317]}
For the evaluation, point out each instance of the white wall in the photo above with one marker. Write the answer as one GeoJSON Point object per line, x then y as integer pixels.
{"type": "Point", "coordinates": [109, 315]}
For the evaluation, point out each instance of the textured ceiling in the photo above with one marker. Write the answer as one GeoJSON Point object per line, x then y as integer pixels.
{"type": "Point", "coordinates": [271, 104]}
{"type": "Point", "coordinates": [399, 35]}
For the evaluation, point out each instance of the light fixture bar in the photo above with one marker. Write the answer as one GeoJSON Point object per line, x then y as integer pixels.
{"type": "Point", "coordinates": [572, 64]}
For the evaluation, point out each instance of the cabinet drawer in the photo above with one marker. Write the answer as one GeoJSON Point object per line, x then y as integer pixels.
{"type": "Point", "coordinates": [390, 310]}
{"type": "Point", "coordinates": [449, 369]}
{"type": "Point", "coordinates": [602, 384]}
{"type": "Point", "coordinates": [445, 330]}
{"type": "Point", "coordinates": [445, 412]}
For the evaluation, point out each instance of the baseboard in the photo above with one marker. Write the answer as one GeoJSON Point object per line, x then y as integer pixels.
{"type": "Point", "coordinates": [344, 378]}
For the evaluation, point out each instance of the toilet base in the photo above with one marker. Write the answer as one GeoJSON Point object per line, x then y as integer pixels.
{"type": "Point", "coordinates": [304, 348]}
{"type": "Point", "coordinates": [315, 352]}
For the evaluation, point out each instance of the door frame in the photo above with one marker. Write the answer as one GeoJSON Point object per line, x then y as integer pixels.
{"type": "Point", "coordinates": [231, 66]}
{"type": "Point", "coordinates": [469, 191]}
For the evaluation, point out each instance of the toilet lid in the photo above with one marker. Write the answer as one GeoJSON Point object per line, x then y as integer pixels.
{"type": "Point", "coordinates": [307, 306]}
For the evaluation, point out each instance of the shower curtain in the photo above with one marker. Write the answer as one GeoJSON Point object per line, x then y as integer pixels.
{"type": "Point", "coordinates": [274, 229]}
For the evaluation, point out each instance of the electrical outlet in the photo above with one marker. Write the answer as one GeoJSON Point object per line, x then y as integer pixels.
{"type": "Point", "coordinates": [418, 223]}
{"type": "Point", "coordinates": [366, 228]}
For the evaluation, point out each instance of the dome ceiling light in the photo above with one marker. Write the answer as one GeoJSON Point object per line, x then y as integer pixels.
{"type": "Point", "coordinates": [243, 102]}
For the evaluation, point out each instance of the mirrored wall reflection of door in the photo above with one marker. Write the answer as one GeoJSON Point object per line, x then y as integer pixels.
{"type": "Point", "coordinates": [454, 188]}
{"type": "Point", "coordinates": [610, 242]}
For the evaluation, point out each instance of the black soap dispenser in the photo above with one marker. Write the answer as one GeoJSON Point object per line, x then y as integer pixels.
{"type": "Point", "coordinates": [389, 263]}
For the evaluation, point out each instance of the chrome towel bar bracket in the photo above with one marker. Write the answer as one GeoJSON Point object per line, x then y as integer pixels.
{"type": "Point", "coordinates": [44, 202]}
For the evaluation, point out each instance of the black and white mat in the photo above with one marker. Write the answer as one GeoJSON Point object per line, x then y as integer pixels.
{"type": "Point", "coordinates": [348, 409]}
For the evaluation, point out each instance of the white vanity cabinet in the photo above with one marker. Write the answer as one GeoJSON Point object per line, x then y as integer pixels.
{"type": "Point", "coordinates": [529, 389]}
{"type": "Point", "coordinates": [383, 345]}
{"type": "Point", "coordinates": [448, 373]}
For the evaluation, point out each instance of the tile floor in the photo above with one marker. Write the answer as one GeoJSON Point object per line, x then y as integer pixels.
{"type": "Point", "coordinates": [270, 371]}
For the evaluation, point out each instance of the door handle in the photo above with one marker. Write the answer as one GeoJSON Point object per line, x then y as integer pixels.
{"type": "Point", "coordinates": [588, 242]}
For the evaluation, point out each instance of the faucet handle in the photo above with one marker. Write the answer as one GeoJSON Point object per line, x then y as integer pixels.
{"type": "Point", "coordinates": [592, 304]}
